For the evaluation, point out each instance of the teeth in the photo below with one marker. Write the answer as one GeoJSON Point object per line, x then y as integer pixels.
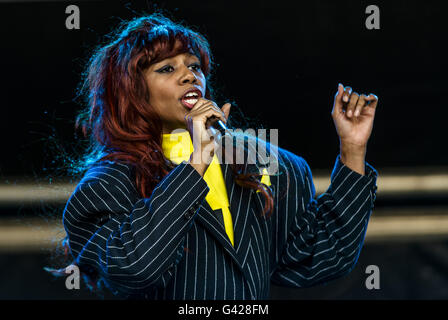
{"type": "Point", "coordinates": [191, 101]}
{"type": "Point", "coordinates": [191, 94]}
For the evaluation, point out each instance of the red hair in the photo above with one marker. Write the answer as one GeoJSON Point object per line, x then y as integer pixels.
{"type": "Point", "coordinates": [118, 118]}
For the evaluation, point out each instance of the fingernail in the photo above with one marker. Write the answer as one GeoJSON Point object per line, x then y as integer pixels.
{"type": "Point", "coordinates": [356, 113]}
{"type": "Point", "coordinates": [345, 98]}
{"type": "Point", "coordinates": [349, 113]}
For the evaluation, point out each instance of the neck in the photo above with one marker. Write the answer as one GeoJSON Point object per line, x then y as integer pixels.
{"type": "Point", "coordinates": [166, 130]}
{"type": "Point", "coordinates": [177, 146]}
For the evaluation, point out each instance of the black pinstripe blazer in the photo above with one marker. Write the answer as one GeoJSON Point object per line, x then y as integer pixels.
{"type": "Point", "coordinates": [173, 245]}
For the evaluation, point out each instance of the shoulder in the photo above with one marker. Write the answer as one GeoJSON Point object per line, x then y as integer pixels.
{"type": "Point", "coordinates": [284, 157]}
{"type": "Point", "coordinates": [277, 160]}
{"type": "Point", "coordinates": [107, 171]}
{"type": "Point", "coordinates": [107, 186]}
{"type": "Point", "coordinates": [110, 174]}
{"type": "Point", "coordinates": [292, 159]}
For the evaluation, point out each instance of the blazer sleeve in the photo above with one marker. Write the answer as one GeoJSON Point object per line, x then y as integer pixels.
{"type": "Point", "coordinates": [323, 237]}
{"type": "Point", "coordinates": [132, 242]}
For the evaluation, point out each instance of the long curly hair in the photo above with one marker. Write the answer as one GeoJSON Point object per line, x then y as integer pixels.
{"type": "Point", "coordinates": [118, 119]}
{"type": "Point", "coordinates": [119, 123]}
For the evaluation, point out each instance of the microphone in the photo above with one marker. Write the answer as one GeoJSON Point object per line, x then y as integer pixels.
{"type": "Point", "coordinates": [221, 127]}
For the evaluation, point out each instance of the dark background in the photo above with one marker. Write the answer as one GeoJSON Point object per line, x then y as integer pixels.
{"type": "Point", "coordinates": [281, 62]}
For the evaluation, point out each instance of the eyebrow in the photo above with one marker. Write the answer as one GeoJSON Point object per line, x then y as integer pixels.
{"type": "Point", "coordinates": [168, 60]}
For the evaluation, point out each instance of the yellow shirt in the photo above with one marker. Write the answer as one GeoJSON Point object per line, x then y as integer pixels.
{"type": "Point", "coordinates": [178, 147]}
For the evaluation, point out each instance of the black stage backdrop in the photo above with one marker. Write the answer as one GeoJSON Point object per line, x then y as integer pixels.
{"type": "Point", "coordinates": [281, 62]}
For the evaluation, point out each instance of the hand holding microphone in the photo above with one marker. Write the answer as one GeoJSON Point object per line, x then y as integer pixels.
{"type": "Point", "coordinates": [204, 116]}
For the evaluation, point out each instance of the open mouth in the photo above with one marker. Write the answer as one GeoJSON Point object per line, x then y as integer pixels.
{"type": "Point", "coordinates": [190, 98]}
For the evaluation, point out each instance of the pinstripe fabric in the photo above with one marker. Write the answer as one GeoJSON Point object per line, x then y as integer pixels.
{"type": "Point", "coordinates": [173, 246]}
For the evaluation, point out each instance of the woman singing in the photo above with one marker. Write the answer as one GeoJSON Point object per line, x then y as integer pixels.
{"type": "Point", "coordinates": [156, 215]}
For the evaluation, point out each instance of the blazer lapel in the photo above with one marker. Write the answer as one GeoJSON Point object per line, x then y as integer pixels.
{"type": "Point", "coordinates": [207, 217]}
{"type": "Point", "coordinates": [239, 199]}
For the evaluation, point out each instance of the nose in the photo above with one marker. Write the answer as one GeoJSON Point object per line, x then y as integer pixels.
{"type": "Point", "coordinates": [188, 77]}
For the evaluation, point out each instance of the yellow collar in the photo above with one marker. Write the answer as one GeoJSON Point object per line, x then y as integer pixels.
{"type": "Point", "coordinates": [177, 146]}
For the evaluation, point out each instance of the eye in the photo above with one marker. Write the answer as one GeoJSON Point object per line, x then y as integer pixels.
{"type": "Point", "coordinates": [197, 66]}
{"type": "Point", "coordinates": [166, 69]}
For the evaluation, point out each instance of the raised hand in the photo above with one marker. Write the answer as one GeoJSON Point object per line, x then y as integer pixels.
{"type": "Point", "coordinates": [198, 122]}
{"type": "Point", "coordinates": [353, 115]}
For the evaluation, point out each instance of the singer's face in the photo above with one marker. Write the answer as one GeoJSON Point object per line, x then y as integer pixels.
{"type": "Point", "coordinates": [167, 82]}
